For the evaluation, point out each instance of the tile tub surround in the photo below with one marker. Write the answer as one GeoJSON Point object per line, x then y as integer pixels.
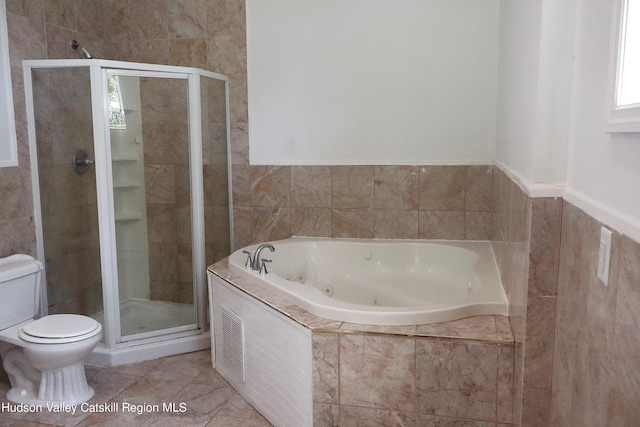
{"type": "Point", "coordinates": [510, 236]}
{"type": "Point", "coordinates": [382, 377]}
{"type": "Point", "coordinates": [460, 371]}
{"type": "Point", "coordinates": [394, 202]}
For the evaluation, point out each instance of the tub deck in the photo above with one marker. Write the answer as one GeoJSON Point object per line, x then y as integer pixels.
{"type": "Point", "coordinates": [459, 371]}
{"type": "Point", "coordinates": [487, 328]}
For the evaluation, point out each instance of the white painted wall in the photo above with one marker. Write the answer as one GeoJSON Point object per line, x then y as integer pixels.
{"type": "Point", "coordinates": [555, 77]}
{"type": "Point", "coordinates": [520, 23]}
{"type": "Point", "coordinates": [603, 169]}
{"type": "Point", "coordinates": [552, 109]}
{"type": "Point", "coordinates": [372, 81]}
{"type": "Point", "coordinates": [535, 83]}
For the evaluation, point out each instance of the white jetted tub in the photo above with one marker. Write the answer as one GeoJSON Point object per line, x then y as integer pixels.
{"type": "Point", "coordinates": [382, 282]}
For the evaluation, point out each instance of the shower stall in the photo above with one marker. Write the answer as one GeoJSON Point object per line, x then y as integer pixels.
{"type": "Point", "coordinates": [130, 168]}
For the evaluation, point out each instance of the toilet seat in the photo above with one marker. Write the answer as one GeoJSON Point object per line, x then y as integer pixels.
{"type": "Point", "coordinates": [59, 329]}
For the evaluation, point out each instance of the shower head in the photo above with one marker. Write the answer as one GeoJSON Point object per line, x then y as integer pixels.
{"type": "Point", "coordinates": [75, 45]}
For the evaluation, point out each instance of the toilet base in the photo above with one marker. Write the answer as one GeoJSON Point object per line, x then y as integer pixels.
{"type": "Point", "coordinates": [63, 386]}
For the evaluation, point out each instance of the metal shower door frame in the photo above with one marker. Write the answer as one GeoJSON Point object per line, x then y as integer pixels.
{"type": "Point", "coordinates": [98, 70]}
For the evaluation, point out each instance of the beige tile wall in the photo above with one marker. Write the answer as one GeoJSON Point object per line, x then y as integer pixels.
{"type": "Point", "coordinates": [526, 241]}
{"type": "Point", "coordinates": [576, 339]}
{"type": "Point", "coordinates": [544, 251]}
{"type": "Point", "coordinates": [364, 379]}
{"type": "Point", "coordinates": [510, 238]}
{"type": "Point", "coordinates": [166, 173]}
{"type": "Point", "coordinates": [596, 363]}
{"type": "Point", "coordinates": [407, 202]}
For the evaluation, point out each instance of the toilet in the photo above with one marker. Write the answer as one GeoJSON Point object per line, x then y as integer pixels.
{"type": "Point", "coordinates": [43, 358]}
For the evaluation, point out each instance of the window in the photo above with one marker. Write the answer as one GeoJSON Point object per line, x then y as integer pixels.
{"type": "Point", "coordinates": [625, 82]}
{"type": "Point", "coordinates": [117, 118]}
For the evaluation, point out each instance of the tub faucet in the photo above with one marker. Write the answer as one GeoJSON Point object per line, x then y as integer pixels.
{"type": "Point", "coordinates": [255, 263]}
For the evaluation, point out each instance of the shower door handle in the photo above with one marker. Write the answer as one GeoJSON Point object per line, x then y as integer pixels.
{"type": "Point", "coordinates": [81, 162]}
{"type": "Point", "coordinates": [85, 162]}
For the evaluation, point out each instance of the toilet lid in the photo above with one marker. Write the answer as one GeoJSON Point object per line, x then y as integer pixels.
{"type": "Point", "coordinates": [58, 326]}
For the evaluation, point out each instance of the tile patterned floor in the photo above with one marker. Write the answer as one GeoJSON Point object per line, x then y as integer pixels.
{"type": "Point", "coordinates": [139, 390]}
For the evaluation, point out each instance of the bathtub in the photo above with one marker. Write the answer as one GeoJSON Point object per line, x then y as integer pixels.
{"type": "Point", "coordinates": [381, 282]}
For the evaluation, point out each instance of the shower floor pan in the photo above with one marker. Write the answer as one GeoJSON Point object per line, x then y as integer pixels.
{"type": "Point", "coordinates": [151, 329]}
{"type": "Point", "coordinates": [139, 316]}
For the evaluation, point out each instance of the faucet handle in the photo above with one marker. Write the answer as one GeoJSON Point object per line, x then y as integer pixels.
{"type": "Point", "coordinates": [247, 263]}
{"type": "Point", "coordinates": [263, 266]}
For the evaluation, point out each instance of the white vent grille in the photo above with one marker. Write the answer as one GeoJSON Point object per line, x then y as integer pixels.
{"type": "Point", "coordinates": [233, 342]}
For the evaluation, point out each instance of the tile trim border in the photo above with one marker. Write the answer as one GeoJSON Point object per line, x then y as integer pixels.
{"type": "Point", "coordinates": [613, 218]}
{"type": "Point", "coordinates": [619, 221]}
{"type": "Point", "coordinates": [534, 190]}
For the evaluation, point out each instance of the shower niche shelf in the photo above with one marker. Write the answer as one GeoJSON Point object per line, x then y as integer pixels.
{"type": "Point", "coordinates": [128, 216]}
{"type": "Point", "coordinates": [126, 184]}
{"type": "Point", "coordinates": [124, 158]}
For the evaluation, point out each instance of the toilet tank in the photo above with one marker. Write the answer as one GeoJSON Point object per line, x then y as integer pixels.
{"type": "Point", "coordinates": [19, 289]}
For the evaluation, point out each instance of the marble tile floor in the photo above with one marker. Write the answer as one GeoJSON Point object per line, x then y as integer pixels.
{"type": "Point", "coordinates": [194, 394]}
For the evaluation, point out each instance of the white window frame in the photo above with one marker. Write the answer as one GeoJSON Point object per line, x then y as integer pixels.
{"type": "Point", "coordinates": [625, 118]}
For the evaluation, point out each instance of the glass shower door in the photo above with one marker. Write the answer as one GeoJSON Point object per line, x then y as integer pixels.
{"type": "Point", "coordinates": [215, 169]}
{"type": "Point", "coordinates": [149, 133]}
{"type": "Point", "coordinates": [68, 220]}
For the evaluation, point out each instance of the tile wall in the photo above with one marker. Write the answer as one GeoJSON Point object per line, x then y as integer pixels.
{"type": "Point", "coordinates": [577, 340]}
{"type": "Point", "coordinates": [543, 264]}
{"type": "Point", "coordinates": [166, 174]}
{"type": "Point", "coordinates": [596, 365]}
{"type": "Point", "coordinates": [406, 202]}
{"type": "Point", "coordinates": [526, 241]}
{"type": "Point", "coordinates": [510, 238]}
{"type": "Point", "coordinates": [386, 380]}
